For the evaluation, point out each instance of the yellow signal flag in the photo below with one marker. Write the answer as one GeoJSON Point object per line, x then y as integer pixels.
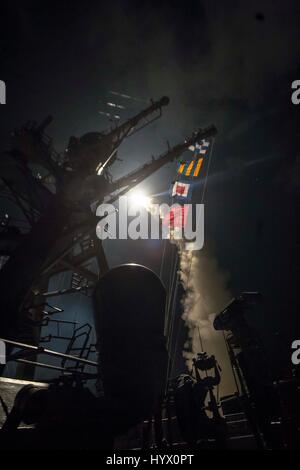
{"type": "Point", "coordinates": [198, 166]}
{"type": "Point", "coordinates": [189, 168]}
{"type": "Point", "coordinates": [181, 168]}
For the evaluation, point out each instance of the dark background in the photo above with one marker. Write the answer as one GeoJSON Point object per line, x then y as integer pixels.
{"type": "Point", "coordinates": [227, 63]}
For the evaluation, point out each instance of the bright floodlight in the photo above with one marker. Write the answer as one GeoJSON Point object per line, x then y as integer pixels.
{"type": "Point", "coordinates": [139, 199]}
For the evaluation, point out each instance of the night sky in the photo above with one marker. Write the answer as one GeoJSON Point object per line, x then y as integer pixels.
{"type": "Point", "coordinates": [225, 63]}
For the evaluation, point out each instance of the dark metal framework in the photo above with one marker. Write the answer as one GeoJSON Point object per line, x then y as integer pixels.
{"type": "Point", "coordinates": [52, 226]}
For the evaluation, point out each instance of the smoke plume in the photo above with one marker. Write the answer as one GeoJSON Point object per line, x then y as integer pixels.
{"type": "Point", "coordinates": [206, 293]}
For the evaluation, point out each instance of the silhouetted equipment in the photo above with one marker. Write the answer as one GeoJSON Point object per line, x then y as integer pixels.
{"type": "Point", "coordinates": [185, 403]}
{"type": "Point", "coordinates": [61, 219]}
{"type": "Point", "coordinates": [129, 305]}
{"type": "Point", "coordinates": [129, 317]}
{"type": "Point", "coordinates": [27, 350]}
{"type": "Point", "coordinates": [251, 369]}
{"type": "Point", "coordinates": [215, 427]}
{"type": "Point", "coordinates": [68, 219]}
{"type": "Point", "coordinates": [30, 144]}
{"type": "Point", "coordinates": [60, 416]}
{"type": "Point", "coordinates": [204, 362]}
{"type": "Point", "coordinates": [232, 315]}
{"type": "Point", "coordinates": [190, 398]}
{"type": "Point", "coordinates": [245, 349]}
{"type": "Point", "coordinates": [57, 194]}
{"type": "Point", "coordinates": [94, 151]}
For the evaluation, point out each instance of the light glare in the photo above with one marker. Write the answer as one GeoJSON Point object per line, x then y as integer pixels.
{"type": "Point", "coordinates": [139, 199]}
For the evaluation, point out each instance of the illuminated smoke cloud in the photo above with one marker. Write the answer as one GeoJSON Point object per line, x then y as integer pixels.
{"type": "Point", "coordinates": [206, 293]}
